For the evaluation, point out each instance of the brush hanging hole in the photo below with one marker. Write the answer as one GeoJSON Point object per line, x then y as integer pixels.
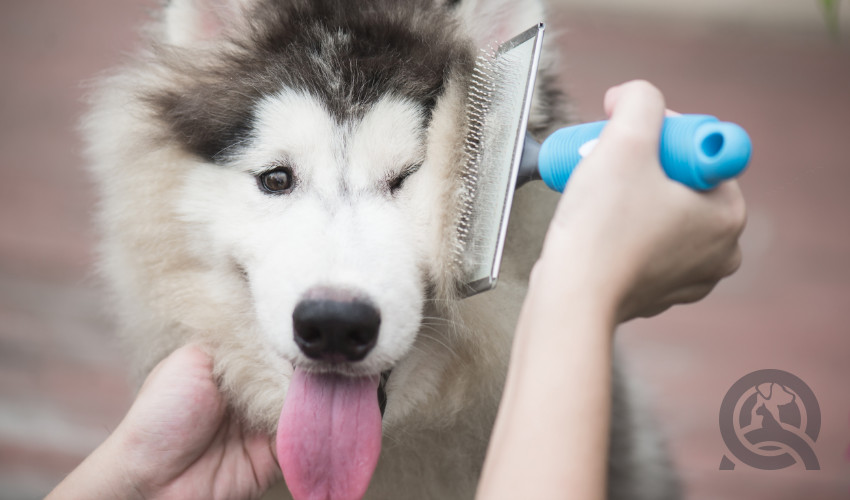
{"type": "Point", "coordinates": [712, 144]}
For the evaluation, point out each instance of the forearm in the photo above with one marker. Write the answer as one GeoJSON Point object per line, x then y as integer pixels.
{"type": "Point", "coordinates": [551, 435]}
{"type": "Point", "coordinates": [101, 475]}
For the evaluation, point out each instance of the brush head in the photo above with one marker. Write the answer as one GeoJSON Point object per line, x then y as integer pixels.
{"type": "Point", "coordinates": [497, 108]}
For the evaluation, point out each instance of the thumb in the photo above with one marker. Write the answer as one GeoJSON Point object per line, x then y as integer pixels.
{"type": "Point", "coordinates": [637, 115]}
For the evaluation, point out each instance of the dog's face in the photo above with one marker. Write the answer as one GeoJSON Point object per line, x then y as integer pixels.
{"type": "Point", "coordinates": [328, 144]}
{"type": "Point", "coordinates": [328, 221]}
{"type": "Point", "coordinates": [283, 181]}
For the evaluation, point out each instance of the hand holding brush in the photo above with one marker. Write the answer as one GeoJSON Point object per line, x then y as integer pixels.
{"type": "Point", "coordinates": [624, 242]}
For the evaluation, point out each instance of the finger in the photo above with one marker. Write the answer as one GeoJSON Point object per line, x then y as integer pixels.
{"type": "Point", "coordinates": [163, 365]}
{"type": "Point", "coordinates": [725, 192]}
{"type": "Point", "coordinates": [187, 370]}
{"type": "Point", "coordinates": [692, 293]}
{"type": "Point", "coordinates": [612, 95]}
{"type": "Point", "coordinates": [637, 105]}
{"type": "Point", "coordinates": [272, 444]}
{"type": "Point", "coordinates": [637, 113]}
{"type": "Point", "coordinates": [684, 295]}
{"type": "Point", "coordinates": [654, 310]}
{"type": "Point", "coordinates": [736, 206]}
{"type": "Point", "coordinates": [728, 202]}
{"type": "Point", "coordinates": [733, 263]}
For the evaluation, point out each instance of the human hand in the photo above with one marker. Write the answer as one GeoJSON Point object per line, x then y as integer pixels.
{"type": "Point", "coordinates": [625, 232]}
{"type": "Point", "coordinates": [177, 441]}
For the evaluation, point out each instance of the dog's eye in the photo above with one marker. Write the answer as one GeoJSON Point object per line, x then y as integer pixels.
{"type": "Point", "coordinates": [396, 182]}
{"type": "Point", "coordinates": [277, 181]}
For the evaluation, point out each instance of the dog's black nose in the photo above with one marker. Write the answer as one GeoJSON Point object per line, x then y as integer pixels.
{"type": "Point", "coordinates": [336, 331]}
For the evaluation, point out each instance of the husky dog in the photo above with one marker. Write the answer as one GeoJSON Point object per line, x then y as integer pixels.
{"type": "Point", "coordinates": [281, 180]}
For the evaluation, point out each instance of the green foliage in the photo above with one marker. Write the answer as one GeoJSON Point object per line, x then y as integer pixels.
{"type": "Point", "coordinates": [830, 12]}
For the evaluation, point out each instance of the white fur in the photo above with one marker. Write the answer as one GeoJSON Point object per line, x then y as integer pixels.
{"type": "Point", "coordinates": [339, 228]}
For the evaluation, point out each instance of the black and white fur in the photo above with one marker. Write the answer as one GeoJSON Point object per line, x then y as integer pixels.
{"type": "Point", "coordinates": [363, 103]}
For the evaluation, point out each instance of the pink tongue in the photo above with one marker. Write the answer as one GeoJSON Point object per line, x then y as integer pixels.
{"type": "Point", "coordinates": [329, 435]}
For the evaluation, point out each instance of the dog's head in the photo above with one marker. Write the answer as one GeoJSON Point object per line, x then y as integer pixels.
{"type": "Point", "coordinates": [328, 138]}
{"type": "Point", "coordinates": [282, 178]}
{"type": "Point", "coordinates": [322, 175]}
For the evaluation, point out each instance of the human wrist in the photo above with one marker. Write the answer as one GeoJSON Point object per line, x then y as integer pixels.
{"type": "Point", "coordinates": [103, 474]}
{"type": "Point", "coordinates": [564, 287]}
{"type": "Point", "coordinates": [562, 316]}
{"type": "Point", "coordinates": [114, 455]}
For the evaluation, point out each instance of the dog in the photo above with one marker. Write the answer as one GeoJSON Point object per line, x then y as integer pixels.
{"type": "Point", "coordinates": [281, 180]}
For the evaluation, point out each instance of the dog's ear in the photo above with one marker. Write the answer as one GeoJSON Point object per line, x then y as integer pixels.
{"type": "Point", "coordinates": [491, 22]}
{"type": "Point", "coordinates": [189, 22]}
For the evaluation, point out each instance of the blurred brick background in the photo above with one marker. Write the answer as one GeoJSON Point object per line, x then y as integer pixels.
{"type": "Point", "coordinates": [63, 384]}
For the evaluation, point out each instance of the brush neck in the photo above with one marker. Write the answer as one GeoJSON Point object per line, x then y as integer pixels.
{"type": "Point", "coordinates": [528, 170]}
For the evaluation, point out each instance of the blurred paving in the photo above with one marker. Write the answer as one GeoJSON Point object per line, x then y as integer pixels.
{"type": "Point", "coordinates": [63, 384]}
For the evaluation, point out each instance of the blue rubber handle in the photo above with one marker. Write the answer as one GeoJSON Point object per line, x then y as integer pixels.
{"type": "Point", "coordinates": [699, 151]}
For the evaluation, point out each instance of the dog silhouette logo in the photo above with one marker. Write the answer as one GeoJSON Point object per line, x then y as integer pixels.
{"type": "Point", "coordinates": [770, 420]}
